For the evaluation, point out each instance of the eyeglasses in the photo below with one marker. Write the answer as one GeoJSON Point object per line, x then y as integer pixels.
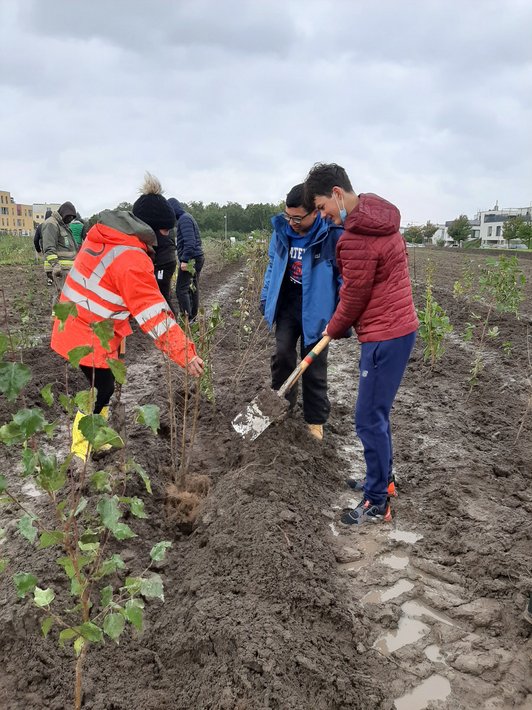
{"type": "Point", "coordinates": [295, 220]}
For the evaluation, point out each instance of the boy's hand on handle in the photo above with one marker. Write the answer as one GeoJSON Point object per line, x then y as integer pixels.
{"type": "Point", "coordinates": [325, 332]}
{"type": "Point", "coordinates": [195, 367]}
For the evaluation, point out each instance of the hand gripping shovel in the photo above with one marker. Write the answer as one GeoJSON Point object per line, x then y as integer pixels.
{"type": "Point", "coordinates": [271, 405]}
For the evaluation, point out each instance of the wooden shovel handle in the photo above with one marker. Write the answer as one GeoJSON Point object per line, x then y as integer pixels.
{"type": "Point", "coordinates": [305, 362]}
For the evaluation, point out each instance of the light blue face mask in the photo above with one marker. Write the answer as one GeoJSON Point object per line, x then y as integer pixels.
{"type": "Point", "coordinates": [342, 210]}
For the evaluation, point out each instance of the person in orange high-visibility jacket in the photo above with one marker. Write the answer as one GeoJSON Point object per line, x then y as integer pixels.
{"type": "Point", "coordinates": [112, 278]}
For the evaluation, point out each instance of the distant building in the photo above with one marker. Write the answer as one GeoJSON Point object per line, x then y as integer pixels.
{"type": "Point", "coordinates": [39, 211]}
{"type": "Point", "coordinates": [15, 218]}
{"type": "Point", "coordinates": [492, 223]}
{"type": "Point", "coordinates": [488, 225]}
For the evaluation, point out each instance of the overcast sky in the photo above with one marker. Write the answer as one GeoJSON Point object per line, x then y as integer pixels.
{"type": "Point", "coordinates": [426, 102]}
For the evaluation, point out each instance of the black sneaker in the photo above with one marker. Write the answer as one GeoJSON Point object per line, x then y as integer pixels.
{"type": "Point", "coordinates": [367, 512]}
{"type": "Point", "coordinates": [358, 486]}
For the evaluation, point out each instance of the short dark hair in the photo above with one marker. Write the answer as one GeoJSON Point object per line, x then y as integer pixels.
{"type": "Point", "coordinates": [321, 180]}
{"type": "Point", "coordinates": [296, 196]}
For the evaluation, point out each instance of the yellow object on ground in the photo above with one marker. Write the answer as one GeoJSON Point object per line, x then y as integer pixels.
{"type": "Point", "coordinates": [316, 430]}
{"type": "Point", "coordinates": [80, 446]}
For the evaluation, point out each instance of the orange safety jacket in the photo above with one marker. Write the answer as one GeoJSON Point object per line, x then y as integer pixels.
{"type": "Point", "coordinates": [112, 278]}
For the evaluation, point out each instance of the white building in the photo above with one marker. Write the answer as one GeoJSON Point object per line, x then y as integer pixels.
{"type": "Point", "coordinates": [488, 226]}
{"type": "Point", "coordinates": [492, 223]}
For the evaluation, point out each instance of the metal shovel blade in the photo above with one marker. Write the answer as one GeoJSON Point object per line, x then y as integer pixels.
{"type": "Point", "coordinates": [266, 408]}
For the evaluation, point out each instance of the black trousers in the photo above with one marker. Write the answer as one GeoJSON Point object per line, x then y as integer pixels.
{"type": "Point", "coordinates": [163, 275]}
{"type": "Point", "coordinates": [289, 329]}
{"type": "Point", "coordinates": [104, 382]}
{"type": "Point", "coordinates": [187, 289]}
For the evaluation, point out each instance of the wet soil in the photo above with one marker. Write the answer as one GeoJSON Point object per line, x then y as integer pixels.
{"type": "Point", "coordinates": [269, 601]}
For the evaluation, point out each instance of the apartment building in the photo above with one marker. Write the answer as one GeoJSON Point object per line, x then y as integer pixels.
{"type": "Point", "coordinates": [15, 218]}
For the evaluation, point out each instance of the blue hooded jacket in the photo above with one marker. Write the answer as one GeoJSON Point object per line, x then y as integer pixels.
{"type": "Point", "coordinates": [188, 240]}
{"type": "Point", "coordinates": [320, 277]}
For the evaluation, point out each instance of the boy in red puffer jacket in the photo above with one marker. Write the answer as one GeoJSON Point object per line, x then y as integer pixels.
{"type": "Point", "coordinates": [375, 299]}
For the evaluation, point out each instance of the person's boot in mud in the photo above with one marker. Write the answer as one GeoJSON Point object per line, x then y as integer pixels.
{"type": "Point", "coordinates": [367, 512]}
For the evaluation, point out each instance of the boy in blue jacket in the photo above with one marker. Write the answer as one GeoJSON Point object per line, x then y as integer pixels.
{"type": "Point", "coordinates": [299, 295]}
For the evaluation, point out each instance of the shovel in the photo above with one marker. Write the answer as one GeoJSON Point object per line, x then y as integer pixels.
{"type": "Point", "coordinates": [270, 406]}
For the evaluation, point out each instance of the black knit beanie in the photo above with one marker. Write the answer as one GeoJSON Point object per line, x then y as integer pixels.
{"type": "Point", "coordinates": [152, 207]}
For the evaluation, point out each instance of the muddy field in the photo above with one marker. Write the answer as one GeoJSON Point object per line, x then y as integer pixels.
{"type": "Point", "coordinates": [270, 603]}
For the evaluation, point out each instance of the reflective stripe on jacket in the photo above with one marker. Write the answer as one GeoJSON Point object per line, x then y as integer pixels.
{"type": "Point", "coordinates": [112, 279]}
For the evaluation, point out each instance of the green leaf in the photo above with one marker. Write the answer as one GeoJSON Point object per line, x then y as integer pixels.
{"type": "Point", "coordinates": [113, 625]}
{"type": "Point", "coordinates": [90, 631]}
{"type": "Point", "coordinates": [43, 597]}
{"type": "Point", "coordinates": [76, 354]}
{"type": "Point", "coordinates": [137, 508]}
{"type": "Point", "coordinates": [137, 468]}
{"type": "Point", "coordinates": [63, 310]}
{"type": "Point", "coordinates": [24, 583]}
{"type": "Point", "coordinates": [85, 399]}
{"type": "Point", "coordinates": [3, 483]}
{"type": "Point", "coordinates": [48, 539]}
{"type": "Point", "coordinates": [5, 345]}
{"type": "Point", "coordinates": [106, 596]}
{"type": "Point", "coordinates": [51, 476]}
{"type": "Point", "coordinates": [95, 429]}
{"type": "Point", "coordinates": [118, 368]}
{"type": "Point", "coordinates": [67, 635]}
{"type": "Point", "coordinates": [50, 428]}
{"type": "Point", "coordinates": [29, 462]}
{"type": "Point", "coordinates": [3, 565]}
{"type": "Point", "coordinates": [67, 564]}
{"type": "Point", "coordinates": [46, 626]}
{"type": "Point", "coordinates": [81, 506]}
{"type": "Point", "coordinates": [92, 547]}
{"type": "Point", "coordinates": [77, 587]}
{"type": "Point", "coordinates": [121, 531]}
{"type": "Point", "coordinates": [14, 376]}
{"type": "Point", "coordinates": [29, 421]}
{"type": "Point", "coordinates": [158, 551]}
{"type": "Point", "coordinates": [26, 529]}
{"type": "Point", "coordinates": [109, 511]}
{"type": "Point", "coordinates": [104, 331]}
{"type": "Point", "coordinates": [148, 414]}
{"type": "Point", "coordinates": [47, 394]}
{"type": "Point", "coordinates": [79, 643]}
{"type": "Point", "coordinates": [67, 403]}
{"type": "Point", "coordinates": [100, 481]}
{"type": "Point", "coordinates": [10, 434]}
{"type": "Point", "coordinates": [134, 614]}
{"type": "Point", "coordinates": [152, 588]}
{"type": "Point", "coordinates": [111, 565]}
{"type": "Point", "coordinates": [133, 585]}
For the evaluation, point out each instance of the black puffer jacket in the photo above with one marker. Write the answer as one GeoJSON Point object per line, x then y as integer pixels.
{"type": "Point", "coordinates": [188, 240]}
{"type": "Point", "coordinates": [165, 251]}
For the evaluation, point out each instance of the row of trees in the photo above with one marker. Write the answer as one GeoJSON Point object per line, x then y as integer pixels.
{"type": "Point", "coordinates": [228, 218]}
{"type": "Point", "coordinates": [420, 234]}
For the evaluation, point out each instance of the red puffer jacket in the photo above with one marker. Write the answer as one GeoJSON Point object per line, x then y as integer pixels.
{"type": "Point", "coordinates": [376, 295]}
